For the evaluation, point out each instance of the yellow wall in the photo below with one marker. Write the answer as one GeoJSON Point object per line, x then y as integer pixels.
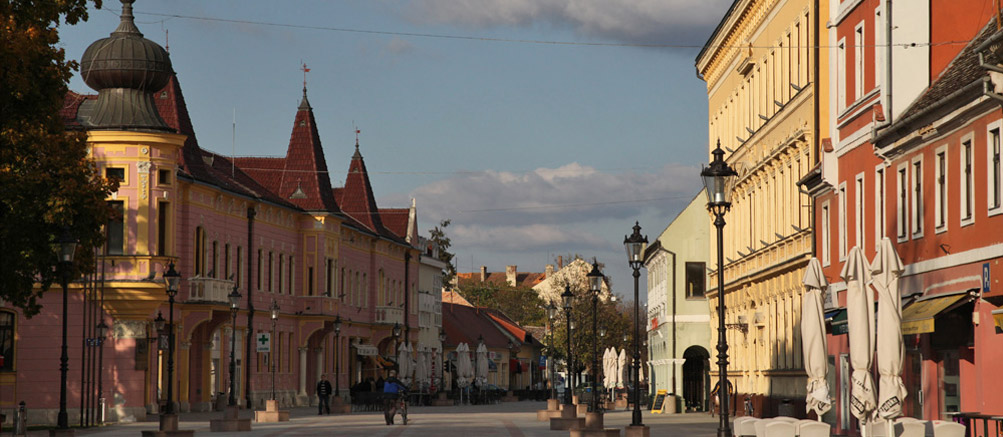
{"type": "Point", "coordinates": [755, 65]}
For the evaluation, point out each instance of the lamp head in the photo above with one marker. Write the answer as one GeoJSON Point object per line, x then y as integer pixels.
{"type": "Point", "coordinates": [635, 244]}
{"type": "Point", "coordinates": [595, 278]}
{"type": "Point", "coordinates": [397, 330]}
{"type": "Point", "coordinates": [159, 322]}
{"type": "Point", "coordinates": [442, 336]}
{"type": "Point", "coordinates": [66, 246]}
{"type": "Point", "coordinates": [234, 298]}
{"type": "Point", "coordinates": [173, 279]}
{"type": "Point", "coordinates": [551, 310]}
{"type": "Point", "coordinates": [718, 179]}
{"type": "Point", "coordinates": [567, 298]}
{"type": "Point", "coordinates": [274, 309]}
{"type": "Point", "coordinates": [337, 325]}
{"type": "Point", "coordinates": [101, 329]}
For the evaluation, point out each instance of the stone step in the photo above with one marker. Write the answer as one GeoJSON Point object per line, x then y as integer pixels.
{"type": "Point", "coordinates": [560, 423]}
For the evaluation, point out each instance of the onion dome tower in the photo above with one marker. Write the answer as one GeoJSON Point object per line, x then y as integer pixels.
{"type": "Point", "coordinates": [126, 69]}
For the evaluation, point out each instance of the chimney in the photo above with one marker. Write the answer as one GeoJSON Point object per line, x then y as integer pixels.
{"type": "Point", "coordinates": [549, 271]}
{"type": "Point", "coordinates": [510, 273]}
{"type": "Point", "coordinates": [560, 262]}
{"type": "Point", "coordinates": [484, 273]}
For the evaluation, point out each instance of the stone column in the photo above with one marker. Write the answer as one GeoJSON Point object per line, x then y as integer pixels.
{"type": "Point", "coordinates": [182, 375]}
{"type": "Point", "coordinates": [302, 392]}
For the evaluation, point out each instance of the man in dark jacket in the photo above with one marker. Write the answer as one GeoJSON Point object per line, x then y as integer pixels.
{"type": "Point", "coordinates": [323, 396]}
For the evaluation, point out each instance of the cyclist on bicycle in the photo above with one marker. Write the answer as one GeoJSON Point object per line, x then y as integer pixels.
{"type": "Point", "coordinates": [392, 390]}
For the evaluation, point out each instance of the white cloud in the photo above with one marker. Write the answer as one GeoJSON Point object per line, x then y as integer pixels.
{"type": "Point", "coordinates": [630, 21]}
{"type": "Point", "coordinates": [399, 46]}
{"type": "Point", "coordinates": [516, 238]}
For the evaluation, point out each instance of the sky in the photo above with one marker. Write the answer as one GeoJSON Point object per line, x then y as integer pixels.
{"type": "Point", "coordinates": [538, 127]}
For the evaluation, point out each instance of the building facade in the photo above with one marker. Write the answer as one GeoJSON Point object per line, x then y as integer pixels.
{"type": "Point", "coordinates": [767, 96]}
{"type": "Point", "coordinates": [679, 334]}
{"type": "Point", "coordinates": [273, 229]}
{"type": "Point", "coordinates": [911, 159]}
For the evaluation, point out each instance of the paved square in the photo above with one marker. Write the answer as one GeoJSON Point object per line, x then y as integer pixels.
{"type": "Point", "coordinates": [515, 419]}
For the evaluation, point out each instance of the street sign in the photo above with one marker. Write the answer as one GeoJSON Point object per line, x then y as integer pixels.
{"type": "Point", "coordinates": [985, 278]}
{"type": "Point", "coordinates": [264, 342]}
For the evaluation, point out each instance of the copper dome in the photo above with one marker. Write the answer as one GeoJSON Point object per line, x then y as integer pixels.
{"type": "Point", "coordinates": [125, 69]}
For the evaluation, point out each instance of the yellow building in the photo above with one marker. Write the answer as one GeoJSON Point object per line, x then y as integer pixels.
{"type": "Point", "coordinates": [769, 113]}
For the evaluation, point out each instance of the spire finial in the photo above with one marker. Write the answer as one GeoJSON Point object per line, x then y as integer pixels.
{"type": "Point", "coordinates": [127, 25]}
{"type": "Point", "coordinates": [304, 104]}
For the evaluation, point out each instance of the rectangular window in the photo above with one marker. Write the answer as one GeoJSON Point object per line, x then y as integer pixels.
{"type": "Point", "coordinates": [292, 276]}
{"type": "Point", "coordinates": [967, 182]}
{"type": "Point", "coordinates": [841, 75]}
{"type": "Point", "coordinates": [260, 271]}
{"type": "Point", "coordinates": [309, 281]}
{"type": "Point", "coordinates": [995, 175]}
{"type": "Point", "coordinates": [271, 272]}
{"type": "Point", "coordinates": [917, 202]}
{"type": "Point", "coordinates": [238, 268]}
{"type": "Point", "coordinates": [214, 267]}
{"type": "Point", "coordinates": [903, 203]}
{"type": "Point", "coordinates": [115, 173]}
{"type": "Point", "coordinates": [842, 221]}
{"type": "Point", "coordinates": [858, 61]}
{"type": "Point", "coordinates": [282, 264]}
{"type": "Point", "coordinates": [826, 233]}
{"type": "Point", "coordinates": [940, 196]}
{"type": "Point", "coordinates": [115, 229]}
{"type": "Point", "coordinates": [341, 286]}
{"type": "Point", "coordinates": [696, 276]}
{"type": "Point", "coordinates": [858, 212]}
{"type": "Point", "coordinates": [330, 278]}
{"type": "Point", "coordinates": [226, 261]}
{"type": "Point", "coordinates": [163, 177]}
{"type": "Point", "coordinates": [163, 215]}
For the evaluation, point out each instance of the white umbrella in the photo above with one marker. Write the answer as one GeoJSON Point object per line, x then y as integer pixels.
{"type": "Point", "coordinates": [609, 369]}
{"type": "Point", "coordinates": [482, 364]}
{"type": "Point", "coordinates": [886, 269]}
{"type": "Point", "coordinates": [860, 321]}
{"type": "Point", "coordinates": [403, 364]}
{"type": "Point", "coordinates": [464, 371]}
{"type": "Point", "coordinates": [813, 339]}
{"type": "Point", "coordinates": [623, 377]}
{"type": "Point", "coordinates": [421, 369]}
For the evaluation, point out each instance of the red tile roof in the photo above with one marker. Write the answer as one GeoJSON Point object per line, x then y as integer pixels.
{"type": "Point", "coordinates": [305, 166]}
{"type": "Point", "coordinates": [395, 220]}
{"type": "Point", "coordinates": [464, 324]}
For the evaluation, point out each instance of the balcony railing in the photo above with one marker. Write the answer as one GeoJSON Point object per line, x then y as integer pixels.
{"type": "Point", "coordinates": [389, 315]}
{"type": "Point", "coordinates": [209, 290]}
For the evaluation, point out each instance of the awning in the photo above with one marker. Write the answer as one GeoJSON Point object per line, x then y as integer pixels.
{"type": "Point", "coordinates": [998, 317]}
{"type": "Point", "coordinates": [918, 318]}
{"type": "Point", "coordinates": [837, 319]}
{"type": "Point", "coordinates": [366, 350]}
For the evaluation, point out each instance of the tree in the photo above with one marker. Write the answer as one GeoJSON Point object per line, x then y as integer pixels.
{"type": "Point", "coordinates": [443, 242]}
{"type": "Point", "coordinates": [521, 304]}
{"type": "Point", "coordinates": [47, 181]}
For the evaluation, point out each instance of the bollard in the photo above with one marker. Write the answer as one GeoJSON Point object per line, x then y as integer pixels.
{"type": "Point", "coordinates": [21, 420]}
{"type": "Point", "coordinates": [101, 411]}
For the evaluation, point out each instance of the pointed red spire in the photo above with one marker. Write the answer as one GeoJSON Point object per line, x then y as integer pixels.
{"type": "Point", "coordinates": [305, 173]}
{"type": "Point", "coordinates": [357, 197]}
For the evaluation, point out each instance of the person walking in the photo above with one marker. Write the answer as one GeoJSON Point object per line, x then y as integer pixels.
{"type": "Point", "coordinates": [392, 390]}
{"type": "Point", "coordinates": [323, 395]}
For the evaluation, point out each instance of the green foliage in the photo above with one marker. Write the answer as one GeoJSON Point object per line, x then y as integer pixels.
{"type": "Point", "coordinates": [520, 304]}
{"type": "Point", "coordinates": [438, 236]}
{"type": "Point", "coordinates": [47, 181]}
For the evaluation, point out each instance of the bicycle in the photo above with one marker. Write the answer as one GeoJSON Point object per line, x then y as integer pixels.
{"type": "Point", "coordinates": [397, 405]}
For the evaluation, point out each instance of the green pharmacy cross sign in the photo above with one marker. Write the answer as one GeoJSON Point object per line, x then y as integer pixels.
{"type": "Point", "coordinates": [264, 342]}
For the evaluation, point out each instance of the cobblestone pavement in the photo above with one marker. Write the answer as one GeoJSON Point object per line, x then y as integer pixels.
{"type": "Point", "coordinates": [515, 419]}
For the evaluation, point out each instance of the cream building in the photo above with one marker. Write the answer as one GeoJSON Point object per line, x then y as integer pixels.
{"type": "Point", "coordinates": [769, 113]}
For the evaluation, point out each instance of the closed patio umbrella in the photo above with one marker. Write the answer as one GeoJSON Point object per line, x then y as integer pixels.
{"type": "Point", "coordinates": [421, 369]}
{"type": "Point", "coordinates": [403, 364]}
{"type": "Point", "coordinates": [885, 271]}
{"type": "Point", "coordinates": [622, 369]}
{"type": "Point", "coordinates": [860, 321]}
{"type": "Point", "coordinates": [609, 368]}
{"type": "Point", "coordinates": [813, 339]}
{"type": "Point", "coordinates": [464, 370]}
{"type": "Point", "coordinates": [482, 364]}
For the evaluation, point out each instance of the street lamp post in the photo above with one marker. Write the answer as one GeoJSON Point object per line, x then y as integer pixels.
{"type": "Point", "coordinates": [595, 278]}
{"type": "Point", "coordinates": [635, 245]}
{"type": "Point", "coordinates": [173, 279]}
{"type": "Point", "coordinates": [551, 314]}
{"type": "Point", "coordinates": [568, 299]}
{"type": "Point", "coordinates": [718, 178]}
{"type": "Point", "coordinates": [397, 334]}
{"type": "Point", "coordinates": [275, 317]}
{"type": "Point", "coordinates": [67, 246]}
{"type": "Point", "coordinates": [337, 357]}
{"type": "Point", "coordinates": [234, 298]}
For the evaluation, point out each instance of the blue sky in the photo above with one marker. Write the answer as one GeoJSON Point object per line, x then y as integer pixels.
{"type": "Point", "coordinates": [533, 150]}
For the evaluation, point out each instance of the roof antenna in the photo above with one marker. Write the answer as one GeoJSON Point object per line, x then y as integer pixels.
{"type": "Point", "coordinates": [167, 39]}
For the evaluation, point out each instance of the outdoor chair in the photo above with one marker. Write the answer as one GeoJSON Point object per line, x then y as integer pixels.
{"type": "Point", "coordinates": [747, 427]}
{"type": "Point", "coordinates": [814, 429]}
{"type": "Point", "coordinates": [948, 429]}
{"type": "Point", "coordinates": [787, 419]}
{"type": "Point", "coordinates": [736, 425]}
{"type": "Point", "coordinates": [760, 426]}
{"type": "Point", "coordinates": [910, 427]}
{"type": "Point", "coordinates": [780, 428]}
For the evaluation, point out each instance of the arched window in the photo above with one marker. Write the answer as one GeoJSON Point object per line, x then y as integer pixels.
{"type": "Point", "coordinates": [199, 251]}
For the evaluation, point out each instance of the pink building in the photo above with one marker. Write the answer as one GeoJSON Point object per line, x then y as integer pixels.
{"type": "Point", "coordinates": [274, 229]}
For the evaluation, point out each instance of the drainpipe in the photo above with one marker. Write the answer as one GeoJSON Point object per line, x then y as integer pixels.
{"type": "Point", "coordinates": [886, 93]}
{"type": "Point", "coordinates": [407, 296]}
{"type": "Point", "coordinates": [248, 339]}
{"type": "Point", "coordinates": [816, 117]}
